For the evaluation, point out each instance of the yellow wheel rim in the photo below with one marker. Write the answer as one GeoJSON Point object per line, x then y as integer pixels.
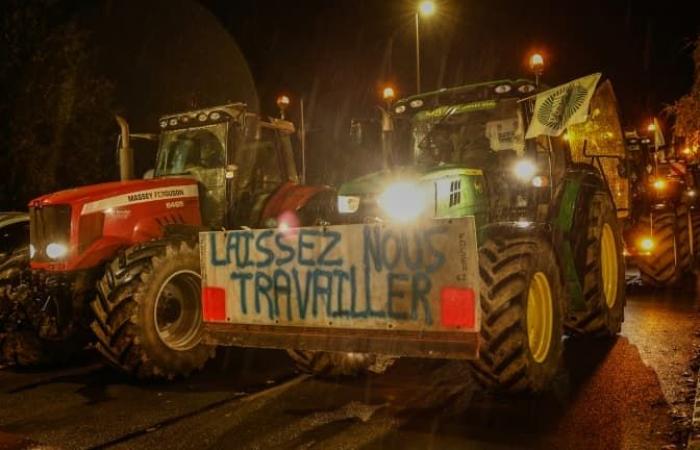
{"type": "Point", "coordinates": [540, 318]}
{"type": "Point", "coordinates": [608, 265]}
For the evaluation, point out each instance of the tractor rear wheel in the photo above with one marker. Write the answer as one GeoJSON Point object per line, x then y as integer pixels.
{"type": "Point", "coordinates": [521, 315]}
{"type": "Point", "coordinates": [668, 260]}
{"type": "Point", "coordinates": [604, 278]}
{"type": "Point", "coordinates": [148, 318]}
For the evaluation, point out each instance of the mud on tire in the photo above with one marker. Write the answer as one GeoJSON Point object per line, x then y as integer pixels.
{"type": "Point", "coordinates": [147, 311]}
{"type": "Point", "coordinates": [508, 359]}
{"type": "Point", "coordinates": [332, 364]}
{"type": "Point", "coordinates": [20, 343]}
{"type": "Point", "coordinates": [604, 296]}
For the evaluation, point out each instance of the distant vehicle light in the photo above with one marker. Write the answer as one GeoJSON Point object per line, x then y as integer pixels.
{"type": "Point", "coordinates": [660, 184]}
{"type": "Point", "coordinates": [202, 117]}
{"type": "Point", "coordinates": [400, 109]}
{"type": "Point", "coordinates": [416, 103]}
{"type": "Point", "coordinates": [403, 201]}
{"type": "Point", "coordinates": [163, 123]}
{"type": "Point", "coordinates": [540, 181]}
{"type": "Point", "coordinates": [502, 88]}
{"type": "Point", "coordinates": [524, 170]}
{"type": "Point", "coordinates": [348, 204]}
{"type": "Point", "coordinates": [172, 122]}
{"type": "Point", "coordinates": [691, 192]}
{"type": "Point", "coordinates": [646, 244]}
{"type": "Point", "coordinates": [56, 251]}
{"type": "Point", "coordinates": [215, 115]}
{"type": "Point", "coordinates": [32, 250]}
{"type": "Point", "coordinates": [526, 88]}
{"type": "Point", "coordinates": [522, 223]}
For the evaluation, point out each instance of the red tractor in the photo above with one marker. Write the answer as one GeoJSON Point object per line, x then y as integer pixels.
{"type": "Point", "coordinates": [121, 259]}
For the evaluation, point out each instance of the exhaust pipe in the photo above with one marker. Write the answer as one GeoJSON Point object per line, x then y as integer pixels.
{"type": "Point", "coordinates": [126, 153]}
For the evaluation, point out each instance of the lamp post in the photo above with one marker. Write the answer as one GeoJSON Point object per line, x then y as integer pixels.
{"type": "Point", "coordinates": [537, 66]}
{"type": "Point", "coordinates": [426, 8]}
{"type": "Point", "coordinates": [388, 96]}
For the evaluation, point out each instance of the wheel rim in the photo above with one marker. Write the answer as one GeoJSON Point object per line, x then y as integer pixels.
{"type": "Point", "coordinates": [540, 318]}
{"type": "Point", "coordinates": [177, 311]}
{"type": "Point", "coordinates": [608, 265]}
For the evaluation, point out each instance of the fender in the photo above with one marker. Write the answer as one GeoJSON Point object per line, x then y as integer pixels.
{"type": "Point", "coordinates": [568, 215]}
{"type": "Point", "coordinates": [294, 198]}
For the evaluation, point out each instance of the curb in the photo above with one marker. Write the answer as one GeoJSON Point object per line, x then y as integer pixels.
{"type": "Point", "coordinates": [694, 436]}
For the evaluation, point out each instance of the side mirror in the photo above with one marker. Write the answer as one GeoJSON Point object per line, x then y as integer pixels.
{"type": "Point", "coordinates": [356, 132]}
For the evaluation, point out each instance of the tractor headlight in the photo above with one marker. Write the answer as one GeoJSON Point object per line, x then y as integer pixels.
{"type": "Point", "coordinates": [56, 251]}
{"type": "Point", "coordinates": [524, 170]}
{"type": "Point", "coordinates": [403, 201]}
{"type": "Point", "coordinates": [660, 184]}
{"type": "Point", "coordinates": [646, 244]}
{"type": "Point", "coordinates": [32, 251]}
{"type": "Point", "coordinates": [348, 204]}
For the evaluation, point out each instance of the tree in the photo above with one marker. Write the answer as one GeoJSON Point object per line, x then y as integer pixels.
{"type": "Point", "coordinates": [687, 108]}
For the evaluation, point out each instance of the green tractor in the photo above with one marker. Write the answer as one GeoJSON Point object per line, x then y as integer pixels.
{"type": "Point", "coordinates": [548, 214]}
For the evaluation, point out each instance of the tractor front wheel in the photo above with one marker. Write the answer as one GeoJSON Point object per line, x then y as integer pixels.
{"type": "Point", "coordinates": [521, 315]}
{"type": "Point", "coordinates": [148, 318]}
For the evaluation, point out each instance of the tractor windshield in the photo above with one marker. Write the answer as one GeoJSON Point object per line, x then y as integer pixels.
{"type": "Point", "coordinates": [201, 153]}
{"type": "Point", "coordinates": [466, 133]}
{"type": "Point", "coordinates": [185, 151]}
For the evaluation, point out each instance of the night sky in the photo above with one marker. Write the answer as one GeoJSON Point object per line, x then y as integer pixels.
{"type": "Point", "coordinates": [329, 46]}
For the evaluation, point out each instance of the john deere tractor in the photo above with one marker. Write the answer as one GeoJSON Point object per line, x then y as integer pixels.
{"type": "Point", "coordinates": [474, 243]}
{"type": "Point", "coordinates": [662, 233]}
{"type": "Point", "coordinates": [118, 262]}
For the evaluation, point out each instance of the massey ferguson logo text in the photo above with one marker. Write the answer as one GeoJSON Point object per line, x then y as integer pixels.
{"type": "Point", "coordinates": [155, 195]}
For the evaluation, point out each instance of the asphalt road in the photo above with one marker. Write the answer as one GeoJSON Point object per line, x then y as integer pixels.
{"type": "Point", "coordinates": [634, 393]}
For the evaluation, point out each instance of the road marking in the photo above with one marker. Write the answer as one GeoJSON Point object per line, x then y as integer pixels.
{"type": "Point", "coordinates": [238, 396]}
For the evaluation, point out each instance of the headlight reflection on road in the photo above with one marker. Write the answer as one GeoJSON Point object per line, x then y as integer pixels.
{"type": "Point", "coordinates": [403, 201]}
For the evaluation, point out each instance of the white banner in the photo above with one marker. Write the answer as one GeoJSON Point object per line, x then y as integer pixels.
{"type": "Point", "coordinates": [559, 107]}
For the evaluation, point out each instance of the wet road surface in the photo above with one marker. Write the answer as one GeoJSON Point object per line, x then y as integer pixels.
{"type": "Point", "coordinates": [634, 393]}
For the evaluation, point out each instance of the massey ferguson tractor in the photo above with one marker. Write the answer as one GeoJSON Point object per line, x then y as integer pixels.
{"type": "Point", "coordinates": [477, 244]}
{"type": "Point", "coordinates": [662, 233]}
{"type": "Point", "coordinates": [120, 260]}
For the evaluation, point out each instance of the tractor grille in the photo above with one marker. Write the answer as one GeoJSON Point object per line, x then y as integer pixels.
{"type": "Point", "coordinates": [48, 224]}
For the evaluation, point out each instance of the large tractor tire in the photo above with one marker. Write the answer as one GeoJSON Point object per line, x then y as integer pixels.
{"type": "Point", "coordinates": [671, 254]}
{"type": "Point", "coordinates": [148, 318]}
{"type": "Point", "coordinates": [521, 315]}
{"type": "Point", "coordinates": [695, 230]}
{"type": "Point", "coordinates": [604, 278]}
{"type": "Point", "coordinates": [21, 341]}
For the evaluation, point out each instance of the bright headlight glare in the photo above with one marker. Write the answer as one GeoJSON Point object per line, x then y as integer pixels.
{"type": "Point", "coordinates": [32, 250]}
{"type": "Point", "coordinates": [524, 169]}
{"type": "Point", "coordinates": [348, 204]}
{"type": "Point", "coordinates": [660, 184]}
{"type": "Point", "coordinates": [646, 244]}
{"type": "Point", "coordinates": [56, 251]}
{"type": "Point", "coordinates": [403, 201]}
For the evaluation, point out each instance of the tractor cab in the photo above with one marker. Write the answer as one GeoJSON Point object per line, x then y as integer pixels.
{"type": "Point", "coordinates": [237, 159]}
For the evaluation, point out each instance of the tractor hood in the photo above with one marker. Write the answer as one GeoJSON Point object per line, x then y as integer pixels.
{"type": "Point", "coordinates": [96, 192]}
{"type": "Point", "coordinates": [374, 183]}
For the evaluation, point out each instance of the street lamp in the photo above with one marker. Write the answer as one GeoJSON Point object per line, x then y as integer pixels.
{"type": "Point", "coordinates": [537, 66]}
{"type": "Point", "coordinates": [425, 8]}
